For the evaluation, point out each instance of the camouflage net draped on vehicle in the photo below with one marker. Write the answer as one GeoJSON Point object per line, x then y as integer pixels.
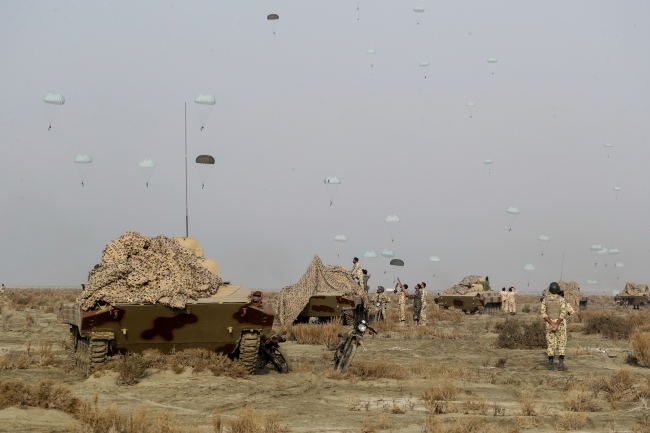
{"type": "Point", "coordinates": [318, 279]}
{"type": "Point", "coordinates": [572, 293]}
{"type": "Point", "coordinates": [137, 269]}
{"type": "Point", "coordinates": [464, 286]}
{"type": "Point", "coordinates": [632, 289]}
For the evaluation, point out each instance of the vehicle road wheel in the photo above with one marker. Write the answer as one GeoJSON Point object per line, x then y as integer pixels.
{"type": "Point", "coordinates": [346, 358]}
{"type": "Point", "coordinates": [249, 349]}
{"type": "Point", "coordinates": [89, 354]}
{"type": "Point", "coordinates": [280, 361]}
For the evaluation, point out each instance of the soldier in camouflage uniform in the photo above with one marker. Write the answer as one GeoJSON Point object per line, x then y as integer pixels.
{"type": "Point", "coordinates": [403, 294]}
{"type": "Point", "coordinates": [383, 299]}
{"type": "Point", "coordinates": [357, 272]}
{"type": "Point", "coordinates": [423, 312]}
{"type": "Point", "coordinates": [554, 310]}
{"type": "Point", "coordinates": [417, 304]}
{"type": "Point", "coordinates": [512, 303]}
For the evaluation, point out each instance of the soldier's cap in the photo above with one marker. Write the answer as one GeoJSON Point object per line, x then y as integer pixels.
{"type": "Point", "coordinates": [503, 290]}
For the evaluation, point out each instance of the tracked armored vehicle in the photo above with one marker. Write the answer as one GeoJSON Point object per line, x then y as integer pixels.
{"type": "Point", "coordinates": [472, 302]}
{"type": "Point", "coordinates": [231, 319]}
{"type": "Point", "coordinates": [327, 306]}
{"type": "Point", "coordinates": [634, 295]}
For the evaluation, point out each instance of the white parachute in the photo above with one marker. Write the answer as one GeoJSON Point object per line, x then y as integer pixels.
{"type": "Point", "coordinates": [613, 251]}
{"type": "Point", "coordinates": [488, 163]}
{"type": "Point", "coordinates": [331, 185]}
{"type": "Point", "coordinates": [54, 103]}
{"type": "Point", "coordinates": [470, 107]}
{"type": "Point", "coordinates": [596, 248]}
{"type": "Point", "coordinates": [528, 268]}
{"type": "Point", "coordinates": [592, 282]}
{"type": "Point", "coordinates": [388, 253]}
{"type": "Point", "coordinates": [369, 254]}
{"type": "Point", "coordinates": [492, 61]}
{"type": "Point", "coordinates": [147, 165]}
{"type": "Point", "coordinates": [617, 189]}
{"type": "Point", "coordinates": [340, 238]}
{"type": "Point", "coordinates": [371, 53]}
{"type": "Point", "coordinates": [392, 223]}
{"type": "Point", "coordinates": [83, 164]}
{"type": "Point", "coordinates": [619, 265]}
{"type": "Point", "coordinates": [424, 65]}
{"type": "Point", "coordinates": [418, 10]}
{"type": "Point", "coordinates": [513, 212]}
{"type": "Point", "coordinates": [608, 148]}
{"type": "Point", "coordinates": [433, 260]}
{"type": "Point", "coordinates": [543, 241]}
{"type": "Point", "coordinates": [204, 105]}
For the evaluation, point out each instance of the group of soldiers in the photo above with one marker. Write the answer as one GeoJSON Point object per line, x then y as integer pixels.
{"type": "Point", "coordinates": [508, 302]}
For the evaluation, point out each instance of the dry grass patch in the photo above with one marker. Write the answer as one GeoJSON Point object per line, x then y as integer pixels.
{"type": "Point", "coordinates": [376, 369]}
{"type": "Point", "coordinates": [434, 424]}
{"type": "Point", "coordinates": [570, 421]}
{"type": "Point", "coordinates": [438, 397]}
{"type": "Point", "coordinates": [527, 401]}
{"type": "Point", "coordinates": [322, 333]}
{"type": "Point", "coordinates": [475, 405]}
{"type": "Point", "coordinates": [518, 334]}
{"type": "Point", "coordinates": [640, 347]}
{"type": "Point", "coordinates": [249, 420]}
{"type": "Point", "coordinates": [579, 401]}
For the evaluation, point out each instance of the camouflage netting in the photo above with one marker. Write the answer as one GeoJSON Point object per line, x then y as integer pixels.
{"type": "Point", "coordinates": [632, 289]}
{"type": "Point", "coordinates": [571, 291]}
{"type": "Point", "coordinates": [318, 279]}
{"type": "Point", "coordinates": [141, 270]}
{"type": "Point", "coordinates": [464, 286]}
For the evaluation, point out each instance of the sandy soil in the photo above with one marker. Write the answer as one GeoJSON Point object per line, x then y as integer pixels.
{"type": "Point", "coordinates": [312, 402]}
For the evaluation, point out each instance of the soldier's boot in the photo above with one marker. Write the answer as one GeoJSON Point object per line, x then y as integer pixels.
{"type": "Point", "coordinates": [561, 366]}
{"type": "Point", "coordinates": [550, 363]}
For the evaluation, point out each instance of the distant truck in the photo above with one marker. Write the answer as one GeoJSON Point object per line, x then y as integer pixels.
{"type": "Point", "coordinates": [232, 322]}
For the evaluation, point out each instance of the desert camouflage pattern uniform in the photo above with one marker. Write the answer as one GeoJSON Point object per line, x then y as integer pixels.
{"type": "Point", "coordinates": [402, 305]}
{"type": "Point", "coordinates": [357, 272]}
{"type": "Point", "coordinates": [417, 305]}
{"type": "Point", "coordinates": [512, 304]}
{"type": "Point", "coordinates": [504, 301]}
{"type": "Point", "coordinates": [555, 340]}
{"type": "Point", "coordinates": [383, 297]}
{"type": "Point", "coordinates": [423, 312]}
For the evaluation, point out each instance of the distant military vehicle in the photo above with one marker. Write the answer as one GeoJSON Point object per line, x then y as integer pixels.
{"type": "Point", "coordinates": [634, 301]}
{"type": "Point", "coordinates": [472, 302]}
{"type": "Point", "coordinates": [327, 306]}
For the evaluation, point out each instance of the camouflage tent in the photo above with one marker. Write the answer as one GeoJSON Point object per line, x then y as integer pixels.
{"type": "Point", "coordinates": [142, 270]}
{"type": "Point", "coordinates": [318, 279]}
{"type": "Point", "coordinates": [632, 289]}
{"type": "Point", "coordinates": [571, 291]}
{"type": "Point", "coordinates": [464, 286]}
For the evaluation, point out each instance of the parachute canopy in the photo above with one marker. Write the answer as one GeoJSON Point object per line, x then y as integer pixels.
{"type": "Point", "coordinates": [608, 145]}
{"type": "Point", "coordinates": [613, 251]}
{"type": "Point", "coordinates": [371, 51]}
{"type": "Point", "coordinates": [492, 59]}
{"type": "Point", "coordinates": [603, 251]}
{"type": "Point", "coordinates": [471, 104]}
{"type": "Point", "coordinates": [529, 267]}
{"type": "Point", "coordinates": [397, 262]}
{"type": "Point", "coordinates": [434, 259]}
{"type": "Point", "coordinates": [340, 238]}
{"type": "Point", "coordinates": [204, 159]}
{"type": "Point", "coordinates": [512, 210]}
{"type": "Point", "coordinates": [272, 17]}
{"type": "Point", "coordinates": [418, 9]}
{"type": "Point", "coordinates": [332, 180]}
{"type": "Point", "coordinates": [369, 254]}
{"type": "Point", "coordinates": [592, 282]}
{"type": "Point", "coordinates": [83, 159]}
{"type": "Point", "coordinates": [619, 265]}
{"type": "Point", "coordinates": [544, 238]}
{"type": "Point", "coordinates": [388, 253]}
{"type": "Point", "coordinates": [54, 98]}
{"type": "Point", "coordinates": [596, 247]}
{"type": "Point", "coordinates": [617, 188]}
{"type": "Point", "coordinates": [147, 163]}
{"type": "Point", "coordinates": [488, 162]}
{"type": "Point", "coordinates": [205, 99]}
{"type": "Point", "coordinates": [391, 219]}
{"type": "Point", "coordinates": [424, 63]}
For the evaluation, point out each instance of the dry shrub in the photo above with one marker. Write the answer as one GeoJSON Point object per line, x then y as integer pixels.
{"type": "Point", "coordinates": [420, 368]}
{"type": "Point", "coordinates": [475, 405]}
{"type": "Point", "coordinates": [368, 426]}
{"type": "Point", "coordinates": [376, 369]}
{"type": "Point", "coordinates": [606, 324]}
{"type": "Point", "coordinates": [104, 419]}
{"type": "Point", "coordinates": [575, 327]}
{"type": "Point", "coordinates": [443, 315]}
{"type": "Point", "coordinates": [579, 401]}
{"type": "Point", "coordinates": [46, 394]}
{"type": "Point", "coordinates": [436, 397]}
{"type": "Point", "coordinates": [248, 420]}
{"type": "Point", "coordinates": [517, 334]}
{"type": "Point", "coordinates": [6, 314]}
{"type": "Point", "coordinates": [273, 422]}
{"type": "Point", "coordinates": [640, 347]}
{"type": "Point", "coordinates": [45, 354]}
{"type": "Point", "coordinates": [154, 358]}
{"type": "Point", "coordinates": [130, 369]}
{"type": "Point", "coordinates": [526, 308]}
{"type": "Point", "coordinates": [501, 362]}
{"type": "Point", "coordinates": [618, 386]}
{"type": "Point", "coordinates": [23, 361]}
{"type": "Point", "coordinates": [385, 423]}
{"type": "Point", "coordinates": [527, 401]}
{"type": "Point", "coordinates": [323, 333]}
{"type": "Point", "coordinates": [570, 421]}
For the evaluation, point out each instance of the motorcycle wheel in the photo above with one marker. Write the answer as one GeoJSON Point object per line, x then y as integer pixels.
{"type": "Point", "coordinates": [280, 361]}
{"type": "Point", "coordinates": [347, 356]}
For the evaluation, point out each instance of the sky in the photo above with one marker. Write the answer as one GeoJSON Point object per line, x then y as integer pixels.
{"type": "Point", "coordinates": [304, 103]}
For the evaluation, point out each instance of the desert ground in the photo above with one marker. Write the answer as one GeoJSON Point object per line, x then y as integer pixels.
{"type": "Point", "coordinates": [450, 376]}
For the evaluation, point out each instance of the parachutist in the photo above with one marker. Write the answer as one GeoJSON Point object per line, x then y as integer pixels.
{"type": "Point", "coordinates": [49, 127]}
{"type": "Point", "coordinates": [82, 184]}
{"type": "Point", "coordinates": [330, 203]}
{"type": "Point", "coordinates": [147, 184]}
{"type": "Point", "coordinates": [510, 229]}
{"type": "Point", "coordinates": [273, 32]}
{"type": "Point", "coordinates": [202, 129]}
{"type": "Point", "coordinates": [202, 185]}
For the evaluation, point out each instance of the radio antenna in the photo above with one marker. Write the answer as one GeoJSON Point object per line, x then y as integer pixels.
{"type": "Point", "coordinates": [562, 269]}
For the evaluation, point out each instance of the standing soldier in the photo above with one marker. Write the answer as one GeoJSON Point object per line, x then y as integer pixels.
{"type": "Point", "coordinates": [417, 304]}
{"type": "Point", "coordinates": [423, 313]}
{"type": "Point", "coordinates": [380, 300]}
{"type": "Point", "coordinates": [356, 271]}
{"type": "Point", "coordinates": [486, 284]}
{"type": "Point", "coordinates": [366, 277]}
{"type": "Point", "coordinates": [554, 310]}
{"type": "Point", "coordinates": [403, 294]}
{"type": "Point", "coordinates": [504, 300]}
{"type": "Point", "coordinates": [512, 304]}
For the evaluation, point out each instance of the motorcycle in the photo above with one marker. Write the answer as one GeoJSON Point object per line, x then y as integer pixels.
{"type": "Point", "coordinates": [350, 341]}
{"type": "Point", "coordinates": [379, 311]}
{"type": "Point", "coordinates": [271, 353]}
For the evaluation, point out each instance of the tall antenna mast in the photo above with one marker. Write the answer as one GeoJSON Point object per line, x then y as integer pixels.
{"type": "Point", "coordinates": [562, 269]}
{"type": "Point", "coordinates": [187, 218]}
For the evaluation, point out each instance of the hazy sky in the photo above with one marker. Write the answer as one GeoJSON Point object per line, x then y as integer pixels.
{"type": "Point", "coordinates": [303, 104]}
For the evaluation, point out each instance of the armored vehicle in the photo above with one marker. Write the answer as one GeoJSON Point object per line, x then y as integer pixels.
{"type": "Point", "coordinates": [231, 322]}
{"type": "Point", "coordinates": [327, 306]}
{"type": "Point", "coordinates": [472, 302]}
{"type": "Point", "coordinates": [635, 301]}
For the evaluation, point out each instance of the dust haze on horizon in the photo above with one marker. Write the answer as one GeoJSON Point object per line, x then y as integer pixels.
{"type": "Point", "coordinates": [303, 104]}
